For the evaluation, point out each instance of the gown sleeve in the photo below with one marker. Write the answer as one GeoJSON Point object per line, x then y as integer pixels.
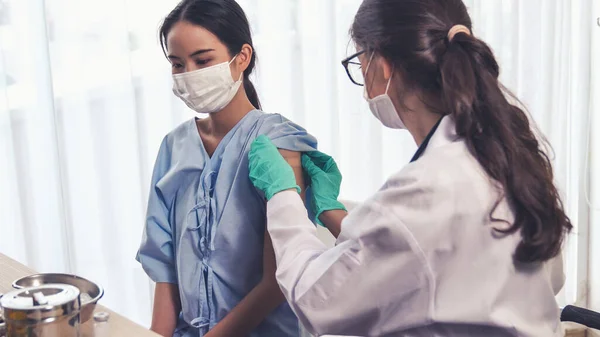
{"type": "Point", "coordinates": [287, 135]}
{"type": "Point", "coordinates": [156, 253]}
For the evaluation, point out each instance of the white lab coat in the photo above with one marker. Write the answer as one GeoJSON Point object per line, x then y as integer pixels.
{"type": "Point", "coordinates": [419, 258]}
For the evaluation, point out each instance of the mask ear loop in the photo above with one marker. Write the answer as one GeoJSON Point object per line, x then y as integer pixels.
{"type": "Point", "coordinates": [369, 64]}
{"type": "Point", "coordinates": [387, 88]}
{"type": "Point", "coordinates": [366, 93]}
{"type": "Point", "coordinates": [242, 73]}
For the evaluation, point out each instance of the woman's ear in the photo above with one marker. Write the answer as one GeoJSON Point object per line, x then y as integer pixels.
{"type": "Point", "coordinates": [387, 67]}
{"type": "Point", "coordinates": [244, 57]}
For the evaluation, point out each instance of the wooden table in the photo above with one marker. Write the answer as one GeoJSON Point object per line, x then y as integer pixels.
{"type": "Point", "coordinates": [118, 326]}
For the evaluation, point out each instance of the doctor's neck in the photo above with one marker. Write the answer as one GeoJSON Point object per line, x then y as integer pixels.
{"type": "Point", "coordinates": [220, 123]}
{"type": "Point", "coordinates": [419, 118]}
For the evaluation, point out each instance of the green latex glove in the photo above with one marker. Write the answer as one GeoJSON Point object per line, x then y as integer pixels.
{"type": "Point", "coordinates": [325, 180]}
{"type": "Point", "coordinates": [269, 172]}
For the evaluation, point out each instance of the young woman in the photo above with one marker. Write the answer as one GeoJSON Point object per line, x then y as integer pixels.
{"type": "Point", "coordinates": [204, 242]}
{"type": "Point", "coordinates": [463, 241]}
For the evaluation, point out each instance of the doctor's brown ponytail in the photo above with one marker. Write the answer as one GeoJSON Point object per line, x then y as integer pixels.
{"type": "Point", "coordinates": [461, 73]}
{"type": "Point", "coordinates": [501, 137]}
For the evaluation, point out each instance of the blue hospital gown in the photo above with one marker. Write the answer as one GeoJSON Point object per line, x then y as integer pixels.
{"type": "Point", "coordinates": [205, 223]}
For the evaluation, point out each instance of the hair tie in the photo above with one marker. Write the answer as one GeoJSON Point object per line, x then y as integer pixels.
{"type": "Point", "coordinates": [457, 29]}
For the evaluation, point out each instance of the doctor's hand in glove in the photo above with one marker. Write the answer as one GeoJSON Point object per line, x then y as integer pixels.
{"type": "Point", "coordinates": [271, 174]}
{"type": "Point", "coordinates": [325, 180]}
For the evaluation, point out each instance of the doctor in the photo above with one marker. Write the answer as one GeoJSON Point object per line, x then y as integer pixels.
{"type": "Point", "coordinates": [463, 241]}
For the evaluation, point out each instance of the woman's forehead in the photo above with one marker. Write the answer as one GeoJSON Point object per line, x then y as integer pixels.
{"type": "Point", "coordinates": [187, 37]}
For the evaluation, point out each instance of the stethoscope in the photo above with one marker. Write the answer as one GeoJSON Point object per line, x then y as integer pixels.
{"type": "Point", "coordinates": [589, 318]}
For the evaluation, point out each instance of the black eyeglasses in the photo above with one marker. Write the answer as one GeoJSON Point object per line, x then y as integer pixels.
{"type": "Point", "coordinates": [353, 69]}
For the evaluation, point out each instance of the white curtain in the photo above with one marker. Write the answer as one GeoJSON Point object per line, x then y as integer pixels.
{"type": "Point", "coordinates": [85, 98]}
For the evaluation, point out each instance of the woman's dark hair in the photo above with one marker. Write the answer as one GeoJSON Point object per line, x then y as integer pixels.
{"type": "Point", "coordinates": [463, 75]}
{"type": "Point", "coordinates": [226, 20]}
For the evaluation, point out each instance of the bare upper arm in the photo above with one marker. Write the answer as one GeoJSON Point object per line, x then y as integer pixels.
{"type": "Point", "coordinates": [294, 158]}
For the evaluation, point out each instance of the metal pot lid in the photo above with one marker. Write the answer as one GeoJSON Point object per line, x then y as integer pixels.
{"type": "Point", "coordinates": [40, 298]}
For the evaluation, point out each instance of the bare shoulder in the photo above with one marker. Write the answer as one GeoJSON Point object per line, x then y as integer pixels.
{"type": "Point", "coordinates": [292, 157]}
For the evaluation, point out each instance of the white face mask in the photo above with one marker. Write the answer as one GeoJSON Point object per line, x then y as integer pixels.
{"type": "Point", "coordinates": [382, 106]}
{"type": "Point", "coordinates": [207, 90]}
